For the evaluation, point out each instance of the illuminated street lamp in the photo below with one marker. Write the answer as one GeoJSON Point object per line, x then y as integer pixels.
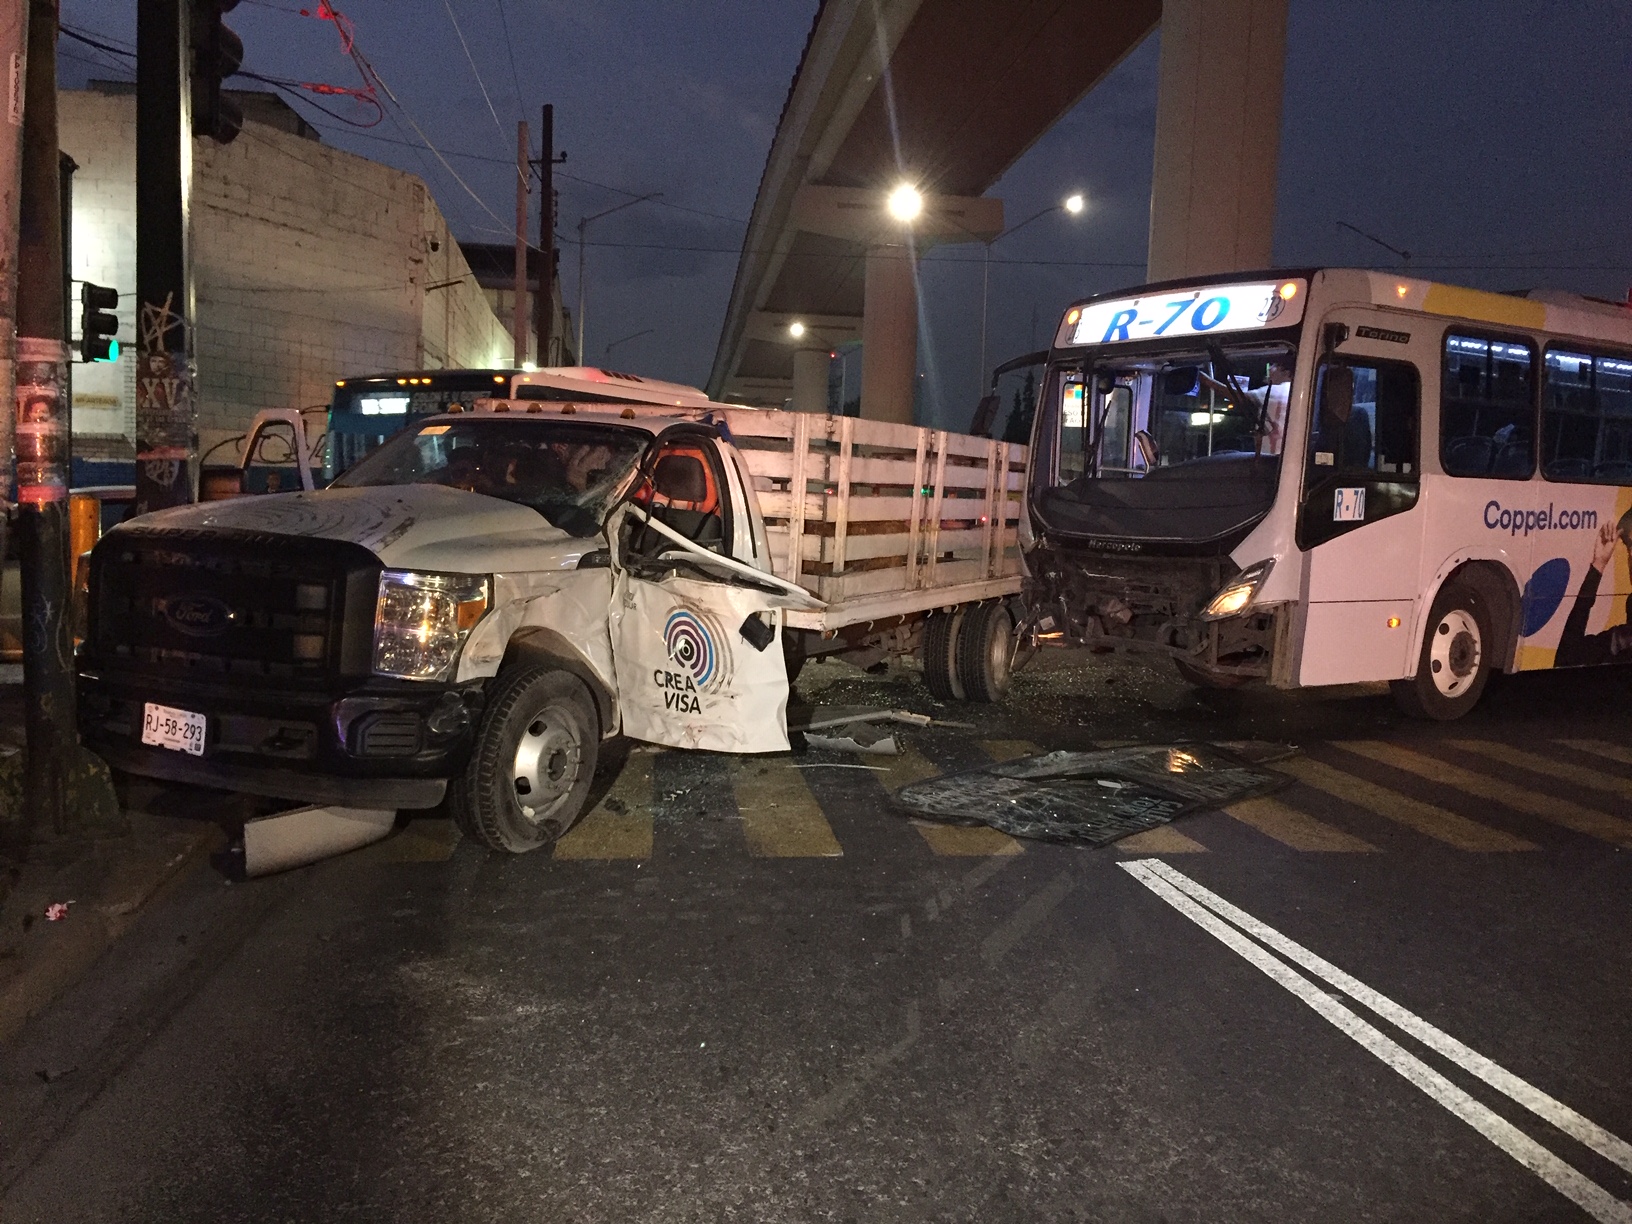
{"type": "Point", "coordinates": [1075, 204]}
{"type": "Point", "coordinates": [905, 203]}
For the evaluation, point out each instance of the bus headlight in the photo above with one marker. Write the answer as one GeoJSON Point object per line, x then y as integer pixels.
{"type": "Point", "coordinates": [1236, 595]}
{"type": "Point", "coordinates": [422, 620]}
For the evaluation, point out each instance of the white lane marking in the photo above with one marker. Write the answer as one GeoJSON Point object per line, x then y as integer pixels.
{"type": "Point", "coordinates": [1548, 1109]}
{"type": "Point", "coordinates": [1568, 1181]}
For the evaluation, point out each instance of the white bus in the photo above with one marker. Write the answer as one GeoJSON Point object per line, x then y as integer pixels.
{"type": "Point", "coordinates": [1330, 476]}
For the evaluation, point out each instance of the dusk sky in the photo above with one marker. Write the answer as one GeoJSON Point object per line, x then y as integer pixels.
{"type": "Point", "coordinates": [1487, 141]}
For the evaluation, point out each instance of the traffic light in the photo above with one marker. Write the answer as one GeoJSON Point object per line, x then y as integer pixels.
{"type": "Point", "coordinates": [217, 53]}
{"type": "Point", "coordinates": [98, 329]}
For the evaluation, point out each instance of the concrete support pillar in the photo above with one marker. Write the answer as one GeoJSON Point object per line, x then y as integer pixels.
{"type": "Point", "coordinates": [810, 367]}
{"type": "Point", "coordinates": [1218, 135]}
{"type": "Point", "coordinates": [889, 335]}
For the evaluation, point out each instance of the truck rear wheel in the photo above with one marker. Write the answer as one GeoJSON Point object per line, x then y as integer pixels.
{"type": "Point", "coordinates": [1457, 655]}
{"type": "Point", "coordinates": [533, 761]}
{"type": "Point", "coordinates": [984, 647]}
{"type": "Point", "coordinates": [941, 675]}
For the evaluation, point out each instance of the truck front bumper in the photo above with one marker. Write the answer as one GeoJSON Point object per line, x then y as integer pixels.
{"type": "Point", "coordinates": [378, 744]}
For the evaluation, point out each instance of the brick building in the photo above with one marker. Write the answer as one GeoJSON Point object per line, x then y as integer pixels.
{"type": "Point", "coordinates": [310, 264]}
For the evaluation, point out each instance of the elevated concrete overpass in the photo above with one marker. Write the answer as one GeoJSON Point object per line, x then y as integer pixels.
{"type": "Point", "coordinates": [944, 96]}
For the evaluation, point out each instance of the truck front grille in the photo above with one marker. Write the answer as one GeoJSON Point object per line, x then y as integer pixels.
{"type": "Point", "coordinates": [230, 606]}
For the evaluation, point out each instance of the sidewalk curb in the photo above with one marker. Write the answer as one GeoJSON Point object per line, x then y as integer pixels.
{"type": "Point", "coordinates": [93, 926]}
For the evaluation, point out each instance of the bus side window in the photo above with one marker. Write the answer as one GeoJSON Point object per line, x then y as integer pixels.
{"type": "Point", "coordinates": [1363, 447]}
{"type": "Point", "coordinates": [1366, 421]}
{"type": "Point", "coordinates": [1487, 408]}
{"type": "Point", "coordinates": [1587, 426]}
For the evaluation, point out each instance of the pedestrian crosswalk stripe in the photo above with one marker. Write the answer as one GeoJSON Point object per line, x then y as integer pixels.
{"type": "Point", "coordinates": [620, 825]}
{"type": "Point", "coordinates": [910, 766]}
{"type": "Point", "coordinates": [1297, 829]}
{"type": "Point", "coordinates": [423, 841]}
{"type": "Point", "coordinates": [1009, 749]}
{"type": "Point", "coordinates": [781, 818]}
{"type": "Point", "coordinates": [965, 841]}
{"type": "Point", "coordinates": [1163, 839]}
{"type": "Point", "coordinates": [1549, 807]}
{"type": "Point", "coordinates": [1424, 818]}
{"type": "Point", "coordinates": [1580, 775]}
{"type": "Point", "coordinates": [1614, 752]}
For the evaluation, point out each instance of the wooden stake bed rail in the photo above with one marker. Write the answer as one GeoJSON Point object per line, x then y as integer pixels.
{"type": "Point", "coordinates": [879, 520]}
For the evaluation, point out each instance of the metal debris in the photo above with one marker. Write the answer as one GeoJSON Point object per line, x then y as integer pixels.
{"type": "Point", "coordinates": [1092, 798]}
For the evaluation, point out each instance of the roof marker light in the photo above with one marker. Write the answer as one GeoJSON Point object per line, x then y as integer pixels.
{"type": "Point", "coordinates": [1402, 290]}
{"type": "Point", "coordinates": [1289, 290]}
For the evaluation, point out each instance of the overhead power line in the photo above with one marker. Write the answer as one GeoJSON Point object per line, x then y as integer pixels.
{"type": "Point", "coordinates": [474, 71]}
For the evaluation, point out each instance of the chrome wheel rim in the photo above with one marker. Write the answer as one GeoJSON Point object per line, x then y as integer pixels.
{"type": "Point", "coordinates": [547, 761]}
{"type": "Point", "coordinates": [1454, 653]}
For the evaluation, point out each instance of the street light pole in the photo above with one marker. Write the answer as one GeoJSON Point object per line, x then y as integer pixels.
{"type": "Point", "coordinates": [1072, 204]}
{"type": "Point", "coordinates": [607, 357]}
{"type": "Point", "coordinates": [583, 224]}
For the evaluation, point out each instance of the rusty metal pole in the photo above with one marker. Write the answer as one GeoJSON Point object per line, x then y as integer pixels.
{"type": "Point", "coordinates": [42, 443]}
{"type": "Point", "coordinates": [544, 293]}
{"type": "Point", "coordinates": [518, 319]}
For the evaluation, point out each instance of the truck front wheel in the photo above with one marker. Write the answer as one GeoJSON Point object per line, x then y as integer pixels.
{"type": "Point", "coordinates": [533, 761]}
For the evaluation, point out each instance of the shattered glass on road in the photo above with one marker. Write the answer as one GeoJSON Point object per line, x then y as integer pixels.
{"type": "Point", "coordinates": [1092, 798]}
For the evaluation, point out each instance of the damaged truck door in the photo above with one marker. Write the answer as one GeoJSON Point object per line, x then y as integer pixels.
{"type": "Point", "coordinates": [696, 626]}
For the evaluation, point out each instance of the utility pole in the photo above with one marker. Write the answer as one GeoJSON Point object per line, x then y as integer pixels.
{"type": "Point", "coordinates": [166, 416]}
{"type": "Point", "coordinates": [518, 323]}
{"type": "Point", "coordinates": [13, 44]}
{"type": "Point", "coordinates": [43, 441]}
{"type": "Point", "coordinates": [544, 296]}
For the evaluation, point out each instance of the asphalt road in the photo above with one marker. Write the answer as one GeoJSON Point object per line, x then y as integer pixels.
{"type": "Point", "coordinates": [754, 990]}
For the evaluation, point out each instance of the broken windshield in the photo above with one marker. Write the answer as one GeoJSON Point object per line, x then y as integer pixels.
{"type": "Point", "coordinates": [568, 472]}
{"type": "Point", "coordinates": [1182, 444]}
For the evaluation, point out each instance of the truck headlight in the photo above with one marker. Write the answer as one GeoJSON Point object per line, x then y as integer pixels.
{"type": "Point", "coordinates": [1236, 595]}
{"type": "Point", "coordinates": [421, 621]}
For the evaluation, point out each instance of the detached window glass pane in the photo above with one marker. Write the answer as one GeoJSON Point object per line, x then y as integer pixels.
{"type": "Point", "coordinates": [1487, 408]}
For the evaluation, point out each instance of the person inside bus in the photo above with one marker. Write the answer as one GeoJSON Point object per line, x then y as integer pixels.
{"type": "Point", "coordinates": [1577, 647]}
{"type": "Point", "coordinates": [1271, 398]}
{"type": "Point", "coordinates": [1342, 434]}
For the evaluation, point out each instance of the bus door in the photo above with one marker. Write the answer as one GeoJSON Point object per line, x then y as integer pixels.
{"type": "Point", "coordinates": [696, 634]}
{"type": "Point", "coordinates": [1362, 467]}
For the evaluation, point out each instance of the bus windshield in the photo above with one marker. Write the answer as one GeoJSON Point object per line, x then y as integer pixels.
{"type": "Point", "coordinates": [569, 473]}
{"type": "Point", "coordinates": [366, 411]}
{"type": "Point", "coordinates": [1182, 444]}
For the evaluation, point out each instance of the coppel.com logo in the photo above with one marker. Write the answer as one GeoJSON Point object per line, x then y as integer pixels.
{"type": "Point", "coordinates": [1523, 522]}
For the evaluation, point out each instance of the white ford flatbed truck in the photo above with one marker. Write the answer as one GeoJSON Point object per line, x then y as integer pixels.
{"type": "Point", "coordinates": [467, 613]}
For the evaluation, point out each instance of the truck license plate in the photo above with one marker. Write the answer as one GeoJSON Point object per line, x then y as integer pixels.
{"type": "Point", "coordinates": [178, 730]}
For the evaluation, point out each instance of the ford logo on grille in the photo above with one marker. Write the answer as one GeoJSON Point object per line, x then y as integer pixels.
{"type": "Point", "coordinates": [198, 615]}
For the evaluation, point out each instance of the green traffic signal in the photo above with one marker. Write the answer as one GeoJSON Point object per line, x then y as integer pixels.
{"type": "Point", "coordinates": [98, 326]}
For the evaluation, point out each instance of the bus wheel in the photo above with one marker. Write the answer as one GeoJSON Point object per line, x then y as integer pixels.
{"type": "Point", "coordinates": [941, 676]}
{"type": "Point", "coordinates": [1456, 657]}
{"type": "Point", "coordinates": [984, 645]}
{"type": "Point", "coordinates": [532, 763]}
